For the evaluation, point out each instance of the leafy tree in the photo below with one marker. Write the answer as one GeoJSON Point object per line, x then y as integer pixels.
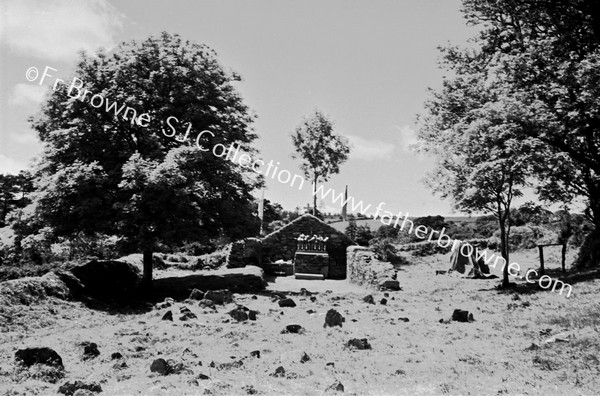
{"type": "Point", "coordinates": [351, 229]}
{"type": "Point", "coordinates": [321, 151]}
{"type": "Point", "coordinates": [14, 193]}
{"type": "Point", "coordinates": [144, 179]}
{"type": "Point", "coordinates": [472, 129]}
{"type": "Point", "coordinates": [548, 52]}
{"type": "Point", "coordinates": [363, 235]}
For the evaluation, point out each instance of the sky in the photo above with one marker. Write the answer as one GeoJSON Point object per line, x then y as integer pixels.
{"type": "Point", "coordinates": [366, 65]}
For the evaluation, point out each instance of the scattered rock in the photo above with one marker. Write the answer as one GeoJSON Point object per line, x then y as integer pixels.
{"type": "Point", "coordinates": [205, 303]}
{"type": "Point", "coordinates": [532, 347]}
{"type": "Point", "coordinates": [311, 311]}
{"type": "Point", "coordinates": [160, 366]}
{"type": "Point", "coordinates": [203, 377]}
{"type": "Point", "coordinates": [239, 314]}
{"type": "Point", "coordinates": [369, 299]}
{"type": "Point", "coordinates": [255, 354]}
{"type": "Point", "coordinates": [196, 294]}
{"type": "Point", "coordinates": [337, 386]}
{"type": "Point", "coordinates": [254, 297]}
{"type": "Point", "coordinates": [287, 302]}
{"type": "Point", "coordinates": [386, 294]}
{"type": "Point", "coordinates": [250, 390]}
{"type": "Point", "coordinates": [460, 315]}
{"type": "Point", "coordinates": [330, 364]}
{"type": "Point", "coordinates": [168, 316]}
{"type": "Point", "coordinates": [279, 372]}
{"type": "Point", "coordinates": [383, 301]}
{"type": "Point", "coordinates": [188, 316]}
{"type": "Point", "coordinates": [313, 299]}
{"type": "Point", "coordinates": [252, 314]}
{"type": "Point", "coordinates": [389, 284]}
{"type": "Point", "coordinates": [400, 372]}
{"type": "Point", "coordinates": [404, 319]}
{"type": "Point", "coordinates": [165, 304]}
{"type": "Point", "coordinates": [116, 355]}
{"type": "Point", "coordinates": [219, 296]}
{"type": "Point", "coordinates": [90, 350]}
{"type": "Point", "coordinates": [305, 358]}
{"type": "Point", "coordinates": [359, 343]}
{"type": "Point", "coordinates": [305, 293]}
{"type": "Point", "coordinates": [333, 318]}
{"type": "Point", "coordinates": [293, 328]}
{"type": "Point", "coordinates": [31, 356]}
{"type": "Point", "coordinates": [69, 388]}
{"type": "Point", "coordinates": [120, 365]}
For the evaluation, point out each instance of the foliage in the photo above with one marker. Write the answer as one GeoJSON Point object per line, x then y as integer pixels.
{"type": "Point", "coordinates": [321, 151]}
{"type": "Point", "coordinates": [105, 173]}
{"type": "Point", "coordinates": [363, 235]}
{"type": "Point", "coordinates": [15, 193]}
{"type": "Point", "coordinates": [547, 53]}
{"type": "Point", "coordinates": [351, 229]}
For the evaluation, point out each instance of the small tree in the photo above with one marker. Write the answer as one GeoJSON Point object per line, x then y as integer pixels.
{"type": "Point", "coordinates": [473, 130]}
{"type": "Point", "coordinates": [321, 151]}
{"type": "Point", "coordinates": [351, 229]}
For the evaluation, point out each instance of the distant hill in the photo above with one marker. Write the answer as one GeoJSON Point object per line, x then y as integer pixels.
{"type": "Point", "coordinates": [375, 224]}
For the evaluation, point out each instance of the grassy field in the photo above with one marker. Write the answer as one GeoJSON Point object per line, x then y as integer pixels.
{"type": "Point", "coordinates": [508, 349]}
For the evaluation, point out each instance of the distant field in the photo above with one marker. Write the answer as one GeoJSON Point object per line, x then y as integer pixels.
{"type": "Point", "coordinates": [375, 224]}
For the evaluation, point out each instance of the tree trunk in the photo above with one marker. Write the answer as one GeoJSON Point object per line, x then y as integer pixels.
{"type": "Point", "coordinates": [315, 197]}
{"type": "Point", "coordinates": [504, 251]}
{"type": "Point", "coordinates": [147, 277]}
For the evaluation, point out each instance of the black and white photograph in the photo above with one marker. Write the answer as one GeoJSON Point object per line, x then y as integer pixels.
{"type": "Point", "coordinates": [299, 197]}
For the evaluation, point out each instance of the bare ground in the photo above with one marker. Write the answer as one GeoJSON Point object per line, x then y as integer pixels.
{"type": "Point", "coordinates": [504, 351]}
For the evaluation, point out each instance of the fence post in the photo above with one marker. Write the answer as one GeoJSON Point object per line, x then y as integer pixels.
{"type": "Point", "coordinates": [541, 249]}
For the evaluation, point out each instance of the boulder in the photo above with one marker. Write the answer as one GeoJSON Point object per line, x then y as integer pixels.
{"type": "Point", "coordinates": [107, 278]}
{"type": "Point", "coordinates": [383, 301]}
{"type": "Point", "coordinates": [219, 296]}
{"type": "Point", "coordinates": [369, 299]}
{"type": "Point", "coordinates": [238, 314]}
{"type": "Point", "coordinates": [70, 388]}
{"type": "Point", "coordinates": [293, 328]}
{"type": "Point", "coordinates": [252, 314]}
{"type": "Point", "coordinates": [361, 344]}
{"type": "Point", "coordinates": [389, 284]}
{"type": "Point", "coordinates": [337, 386]}
{"type": "Point", "coordinates": [279, 372]}
{"type": "Point", "coordinates": [168, 316]}
{"type": "Point", "coordinates": [460, 315]}
{"type": "Point", "coordinates": [205, 303]}
{"type": "Point", "coordinates": [30, 356]}
{"type": "Point", "coordinates": [333, 318]}
{"type": "Point", "coordinates": [90, 350]}
{"type": "Point", "coordinates": [287, 302]}
{"type": "Point", "coordinates": [160, 366]}
{"type": "Point", "coordinates": [196, 295]}
{"type": "Point", "coordinates": [255, 354]}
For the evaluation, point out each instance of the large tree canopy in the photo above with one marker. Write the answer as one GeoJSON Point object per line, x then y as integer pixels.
{"type": "Point", "coordinates": [548, 53]}
{"type": "Point", "coordinates": [146, 179]}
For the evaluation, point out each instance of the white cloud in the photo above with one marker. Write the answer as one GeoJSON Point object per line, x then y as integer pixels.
{"type": "Point", "coordinates": [407, 137]}
{"type": "Point", "coordinates": [27, 94]}
{"type": "Point", "coordinates": [57, 29]}
{"type": "Point", "coordinates": [368, 149]}
{"type": "Point", "coordinates": [9, 165]}
{"type": "Point", "coordinates": [24, 137]}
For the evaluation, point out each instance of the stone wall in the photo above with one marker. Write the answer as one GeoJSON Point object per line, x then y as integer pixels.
{"type": "Point", "coordinates": [243, 252]}
{"type": "Point", "coordinates": [281, 245]}
{"type": "Point", "coordinates": [365, 269]}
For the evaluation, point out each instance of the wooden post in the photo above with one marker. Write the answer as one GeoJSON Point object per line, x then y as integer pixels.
{"type": "Point", "coordinates": [564, 252]}
{"type": "Point", "coordinates": [541, 249]}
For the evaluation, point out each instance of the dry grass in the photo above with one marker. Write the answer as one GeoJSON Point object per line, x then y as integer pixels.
{"type": "Point", "coordinates": [492, 355]}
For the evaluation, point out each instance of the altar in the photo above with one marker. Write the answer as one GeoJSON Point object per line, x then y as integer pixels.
{"type": "Point", "coordinates": [311, 260]}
